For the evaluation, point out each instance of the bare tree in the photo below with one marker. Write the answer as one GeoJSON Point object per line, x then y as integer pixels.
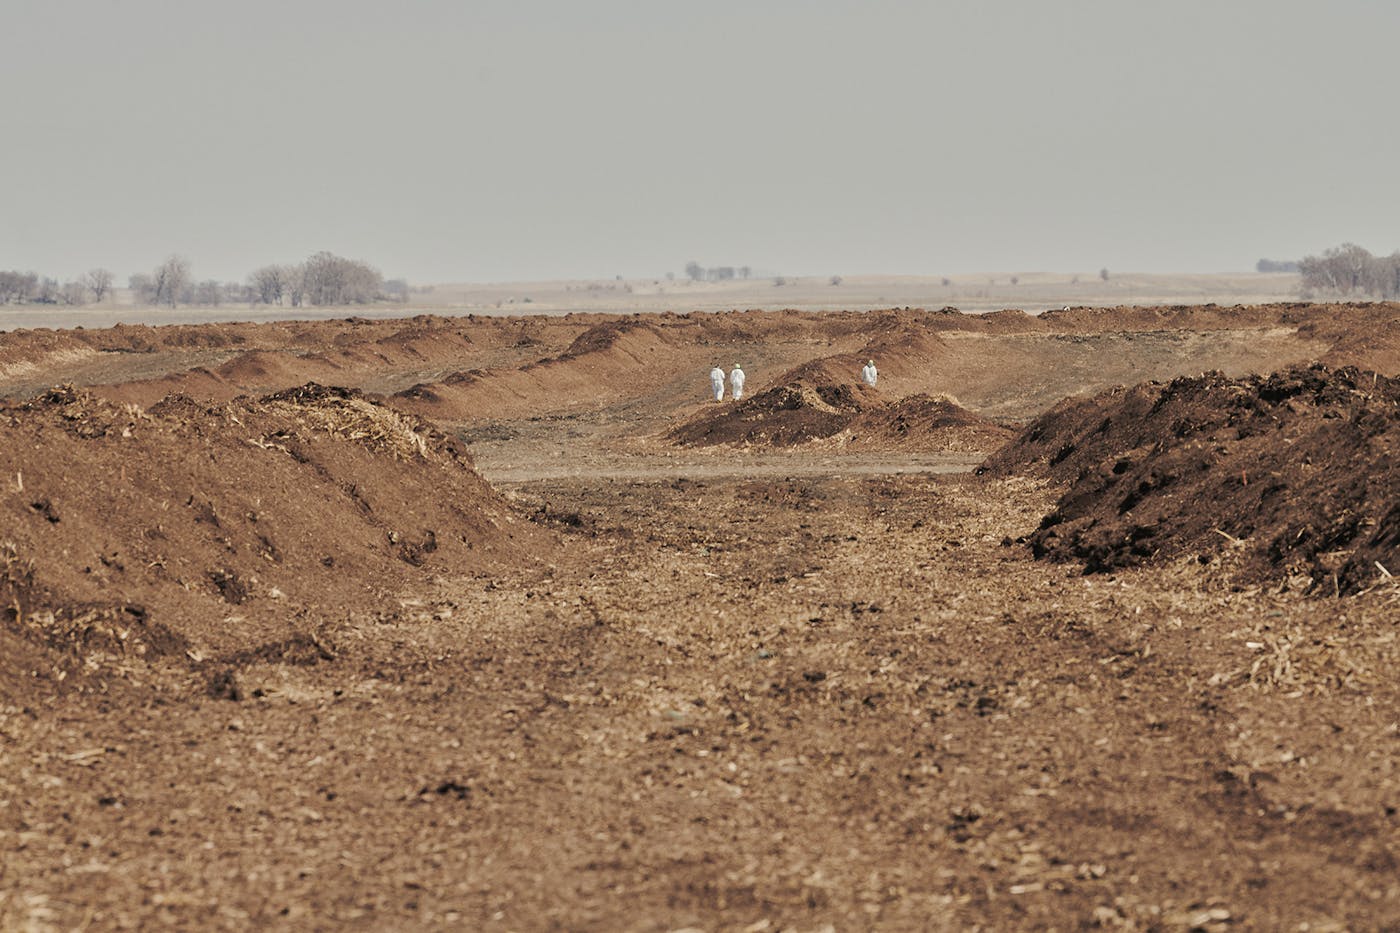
{"type": "Point", "coordinates": [209, 293]}
{"type": "Point", "coordinates": [237, 291]}
{"type": "Point", "coordinates": [269, 284]}
{"type": "Point", "coordinates": [17, 286]}
{"type": "Point", "coordinates": [332, 280]}
{"type": "Point", "coordinates": [99, 282]}
{"type": "Point", "coordinates": [294, 284]}
{"type": "Point", "coordinates": [143, 287]}
{"type": "Point", "coordinates": [73, 293]}
{"type": "Point", "coordinates": [47, 292]}
{"type": "Point", "coordinates": [1347, 270]}
{"type": "Point", "coordinates": [170, 280]}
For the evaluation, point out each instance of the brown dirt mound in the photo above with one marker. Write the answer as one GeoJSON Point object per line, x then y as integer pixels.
{"type": "Point", "coordinates": [236, 359]}
{"type": "Point", "coordinates": [923, 422]}
{"type": "Point", "coordinates": [212, 529]}
{"type": "Point", "coordinates": [783, 416]}
{"type": "Point", "coordinates": [29, 353]}
{"type": "Point", "coordinates": [589, 369]}
{"type": "Point", "coordinates": [1295, 469]}
{"type": "Point", "coordinates": [800, 412]}
{"type": "Point", "coordinates": [1375, 346]}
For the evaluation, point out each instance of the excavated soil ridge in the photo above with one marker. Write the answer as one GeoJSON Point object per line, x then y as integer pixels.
{"type": "Point", "coordinates": [801, 412]}
{"type": "Point", "coordinates": [1295, 470]}
{"type": "Point", "coordinates": [194, 529]}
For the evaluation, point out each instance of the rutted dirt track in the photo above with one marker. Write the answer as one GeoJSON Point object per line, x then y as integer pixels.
{"type": "Point", "coordinates": [286, 660]}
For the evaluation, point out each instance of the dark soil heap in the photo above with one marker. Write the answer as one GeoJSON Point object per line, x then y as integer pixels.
{"type": "Point", "coordinates": [783, 416]}
{"type": "Point", "coordinates": [1296, 468]}
{"type": "Point", "coordinates": [923, 422]}
{"type": "Point", "coordinates": [186, 529]}
{"type": "Point", "coordinates": [800, 412]}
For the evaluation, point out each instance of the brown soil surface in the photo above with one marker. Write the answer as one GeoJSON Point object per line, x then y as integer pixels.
{"type": "Point", "coordinates": [472, 642]}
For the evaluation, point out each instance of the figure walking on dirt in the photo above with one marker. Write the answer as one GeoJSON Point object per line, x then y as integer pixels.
{"type": "Point", "coordinates": [736, 383]}
{"type": "Point", "coordinates": [717, 383]}
{"type": "Point", "coordinates": [868, 375]}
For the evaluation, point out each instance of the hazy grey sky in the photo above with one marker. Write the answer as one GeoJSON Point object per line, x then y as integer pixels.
{"type": "Point", "coordinates": [476, 140]}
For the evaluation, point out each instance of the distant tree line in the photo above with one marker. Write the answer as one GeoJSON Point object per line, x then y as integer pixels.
{"type": "Point", "coordinates": [698, 273]}
{"type": "Point", "coordinates": [1276, 265]}
{"type": "Point", "coordinates": [1349, 270]}
{"type": "Point", "coordinates": [33, 289]}
{"type": "Point", "coordinates": [323, 279]}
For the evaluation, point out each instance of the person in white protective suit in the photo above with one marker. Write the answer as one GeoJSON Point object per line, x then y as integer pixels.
{"type": "Point", "coordinates": [717, 383]}
{"type": "Point", "coordinates": [736, 382]}
{"type": "Point", "coordinates": [868, 375]}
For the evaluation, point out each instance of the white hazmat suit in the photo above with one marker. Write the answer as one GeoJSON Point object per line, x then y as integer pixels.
{"type": "Point", "coordinates": [736, 383]}
{"type": "Point", "coordinates": [868, 375]}
{"type": "Point", "coordinates": [717, 383]}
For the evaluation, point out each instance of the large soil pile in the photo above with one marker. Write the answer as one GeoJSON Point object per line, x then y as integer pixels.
{"type": "Point", "coordinates": [602, 364]}
{"type": "Point", "coordinates": [801, 412]}
{"type": "Point", "coordinates": [926, 423]}
{"type": "Point", "coordinates": [1297, 469]}
{"type": "Point", "coordinates": [786, 415]}
{"type": "Point", "coordinates": [197, 531]}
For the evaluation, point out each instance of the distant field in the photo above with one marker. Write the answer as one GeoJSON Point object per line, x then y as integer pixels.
{"type": "Point", "coordinates": [1032, 292]}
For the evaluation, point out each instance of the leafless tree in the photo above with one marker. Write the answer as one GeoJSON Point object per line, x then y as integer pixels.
{"type": "Point", "coordinates": [143, 287]}
{"type": "Point", "coordinates": [269, 284]}
{"type": "Point", "coordinates": [1350, 270]}
{"type": "Point", "coordinates": [48, 292]}
{"type": "Point", "coordinates": [294, 284]}
{"type": "Point", "coordinates": [17, 286]}
{"type": "Point", "coordinates": [99, 282]}
{"type": "Point", "coordinates": [170, 281]}
{"type": "Point", "coordinates": [73, 293]}
{"type": "Point", "coordinates": [332, 280]}
{"type": "Point", "coordinates": [208, 292]}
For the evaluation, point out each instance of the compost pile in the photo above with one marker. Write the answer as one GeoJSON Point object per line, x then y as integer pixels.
{"type": "Point", "coordinates": [783, 416]}
{"type": "Point", "coordinates": [801, 412]}
{"type": "Point", "coordinates": [927, 423]}
{"type": "Point", "coordinates": [1296, 470]}
{"type": "Point", "coordinates": [197, 530]}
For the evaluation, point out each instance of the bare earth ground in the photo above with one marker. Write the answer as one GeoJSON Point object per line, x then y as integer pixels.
{"type": "Point", "coordinates": [821, 686]}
